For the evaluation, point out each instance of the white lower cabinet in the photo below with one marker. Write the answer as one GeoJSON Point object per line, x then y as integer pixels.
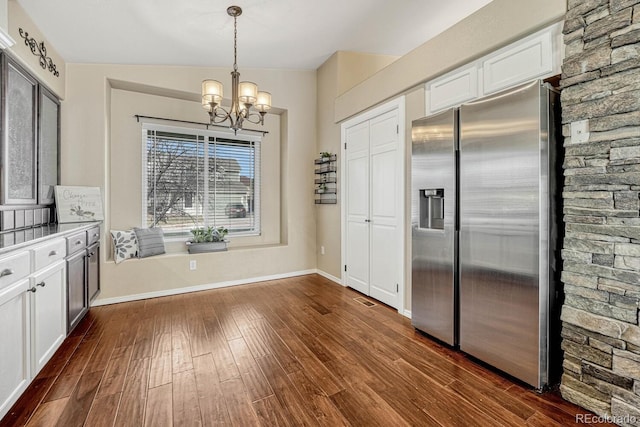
{"type": "Point", "coordinates": [48, 308]}
{"type": "Point", "coordinates": [33, 320]}
{"type": "Point", "coordinates": [15, 373]}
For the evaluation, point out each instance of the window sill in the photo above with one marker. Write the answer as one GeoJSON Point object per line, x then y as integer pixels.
{"type": "Point", "coordinates": [183, 252]}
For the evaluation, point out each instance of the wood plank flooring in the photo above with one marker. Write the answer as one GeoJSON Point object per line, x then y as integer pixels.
{"type": "Point", "coordinates": [294, 352]}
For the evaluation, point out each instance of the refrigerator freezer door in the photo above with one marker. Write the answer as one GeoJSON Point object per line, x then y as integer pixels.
{"type": "Point", "coordinates": [433, 211]}
{"type": "Point", "coordinates": [502, 233]}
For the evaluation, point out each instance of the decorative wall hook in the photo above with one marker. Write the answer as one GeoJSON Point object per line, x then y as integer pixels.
{"type": "Point", "coordinates": [41, 51]}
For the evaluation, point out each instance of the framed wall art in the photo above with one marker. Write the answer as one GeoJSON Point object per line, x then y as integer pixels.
{"type": "Point", "coordinates": [78, 204]}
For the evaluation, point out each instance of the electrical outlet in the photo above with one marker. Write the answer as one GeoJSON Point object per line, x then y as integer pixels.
{"type": "Point", "coordinates": [192, 265]}
{"type": "Point", "coordinates": [321, 250]}
{"type": "Point", "coordinates": [580, 132]}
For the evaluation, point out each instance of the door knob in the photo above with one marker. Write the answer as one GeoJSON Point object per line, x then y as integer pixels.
{"type": "Point", "coordinates": [41, 284]}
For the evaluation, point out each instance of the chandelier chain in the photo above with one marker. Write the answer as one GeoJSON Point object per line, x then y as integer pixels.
{"type": "Point", "coordinates": [235, 43]}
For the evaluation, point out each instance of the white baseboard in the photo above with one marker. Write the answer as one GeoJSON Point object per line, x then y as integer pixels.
{"type": "Point", "coordinates": [407, 313]}
{"type": "Point", "coordinates": [177, 291]}
{"type": "Point", "coordinates": [329, 276]}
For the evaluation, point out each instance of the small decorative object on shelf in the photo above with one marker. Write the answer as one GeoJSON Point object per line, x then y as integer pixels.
{"type": "Point", "coordinates": [207, 239]}
{"type": "Point", "coordinates": [326, 179]}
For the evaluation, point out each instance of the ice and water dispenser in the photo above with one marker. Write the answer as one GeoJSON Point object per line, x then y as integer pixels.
{"type": "Point", "coordinates": [432, 208]}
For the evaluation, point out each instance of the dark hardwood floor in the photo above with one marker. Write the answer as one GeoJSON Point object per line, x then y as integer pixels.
{"type": "Point", "coordinates": [291, 352]}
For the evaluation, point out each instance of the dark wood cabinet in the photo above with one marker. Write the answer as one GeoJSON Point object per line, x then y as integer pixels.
{"type": "Point", "coordinates": [83, 273]}
{"type": "Point", "coordinates": [77, 301]}
{"type": "Point", "coordinates": [93, 270]}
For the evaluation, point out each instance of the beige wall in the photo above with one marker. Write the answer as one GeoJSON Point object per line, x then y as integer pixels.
{"type": "Point", "coordinates": [4, 14]}
{"type": "Point", "coordinates": [328, 139]}
{"type": "Point", "coordinates": [495, 25]}
{"type": "Point", "coordinates": [19, 19]}
{"type": "Point", "coordinates": [354, 68]}
{"type": "Point", "coordinates": [101, 146]}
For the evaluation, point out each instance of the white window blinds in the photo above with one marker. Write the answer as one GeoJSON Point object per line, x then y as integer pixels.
{"type": "Point", "coordinates": [195, 178]}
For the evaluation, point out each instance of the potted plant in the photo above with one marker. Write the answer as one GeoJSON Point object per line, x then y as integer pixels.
{"type": "Point", "coordinates": [207, 239]}
{"type": "Point", "coordinates": [325, 156]}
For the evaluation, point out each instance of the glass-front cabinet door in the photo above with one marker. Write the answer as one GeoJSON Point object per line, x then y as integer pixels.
{"type": "Point", "coordinates": [19, 135]}
{"type": "Point", "coordinates": [48, 120]}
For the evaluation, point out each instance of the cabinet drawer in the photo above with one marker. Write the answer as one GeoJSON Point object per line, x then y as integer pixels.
{"type": "Point", "coordinates": [76, 242]}
{"type": "Point", "coordinates": [14, 268]}
{"type": "Point", "coordinates": [93, 235]}
{"type": "Point", "coordinates": [49, 253]}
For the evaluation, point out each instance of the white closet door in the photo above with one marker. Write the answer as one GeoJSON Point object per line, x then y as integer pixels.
{"type": "Point", "coordinates": [373, 201]}
{"type": "Point", "coordinates": [357, 207]}
{"type": "Point", "coordinates": [385, 209]}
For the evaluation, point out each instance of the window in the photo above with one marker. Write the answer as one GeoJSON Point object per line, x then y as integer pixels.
{"type": "Point", "coordinates": [195, 178]}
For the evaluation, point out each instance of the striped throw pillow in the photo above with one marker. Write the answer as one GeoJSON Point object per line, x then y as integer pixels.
{"type": "Point", "coordinates": [150, 241]}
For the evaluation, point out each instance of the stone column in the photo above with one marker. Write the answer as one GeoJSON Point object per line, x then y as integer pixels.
{"type": "Point", "coordinates": [601, 256]}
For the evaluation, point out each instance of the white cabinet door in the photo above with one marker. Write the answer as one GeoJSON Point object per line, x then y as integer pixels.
{"type": "Point", "coordinates": [519, 62]}
{"type": "Point", "coordinates": [49, 322]}
{"type": "Point", "coordinates": [452, 89]}
{"type": "Point", "coordinates": [14, 343]}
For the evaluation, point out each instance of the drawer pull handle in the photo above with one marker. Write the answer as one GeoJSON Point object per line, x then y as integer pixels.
{"type": "Point", "coordinates": [96, 235]}
{"type": "Point", "coordinates": [91, 254]}
{"type": "Point", "coordinates": [41, 284]}
{"type": "Point", "coordinates": [6, 272]}
{"type": "Point", "coordinates": [53, 253]}
{"type": "Point", "coordinates": [78, 242]}
{"type": "Point", "coordinates": [32, 289]}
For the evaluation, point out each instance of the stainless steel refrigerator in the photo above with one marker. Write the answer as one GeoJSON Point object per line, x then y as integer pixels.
{"type": "Point", "coordinates": [485, 195]}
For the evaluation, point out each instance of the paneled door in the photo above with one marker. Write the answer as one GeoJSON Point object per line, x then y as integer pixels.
{"type": "Point", "coordinates": [385, 209]}
{"type": "Point", "coordinates": [373, 206]}
{"type": "Point", "coordinates": [357, 206]}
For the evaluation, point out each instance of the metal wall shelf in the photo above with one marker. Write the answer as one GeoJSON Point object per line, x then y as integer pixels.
{"type": "Point", "coordinates": [323, 160]}
{"type": "Point", "coordinates": [326, 201]}
{"type": "Point", "coordinates": [326, 180]}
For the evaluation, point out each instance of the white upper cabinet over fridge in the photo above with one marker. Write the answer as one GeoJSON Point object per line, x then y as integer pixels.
{"type": "Point", "coordinates": [538, 55]}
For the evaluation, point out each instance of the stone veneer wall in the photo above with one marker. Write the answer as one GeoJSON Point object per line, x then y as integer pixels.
{"type": "Point", "coordinates": [601, 276]}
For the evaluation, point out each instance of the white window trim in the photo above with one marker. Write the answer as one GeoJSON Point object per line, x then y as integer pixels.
{"type": "Point", "coordinates": [146, 126]}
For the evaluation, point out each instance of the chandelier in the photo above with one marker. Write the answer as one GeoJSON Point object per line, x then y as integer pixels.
{"type": "Point", "coordinates": [246, 102]}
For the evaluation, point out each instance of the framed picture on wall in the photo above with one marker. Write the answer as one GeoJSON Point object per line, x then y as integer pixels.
{"type": "Point", "coordinates": [78, 204]}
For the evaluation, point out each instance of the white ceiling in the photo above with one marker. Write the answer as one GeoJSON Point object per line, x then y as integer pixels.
{"type": "Point", "coordinates": [299, 34]}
